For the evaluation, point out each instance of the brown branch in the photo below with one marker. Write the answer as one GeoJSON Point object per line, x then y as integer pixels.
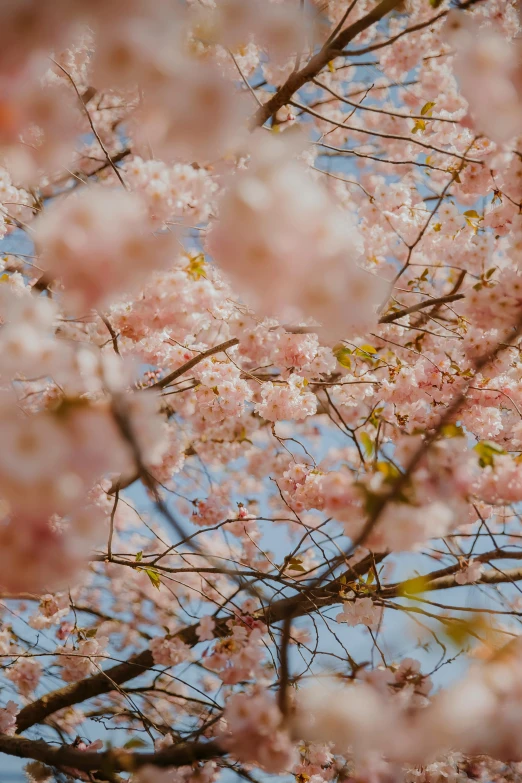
{"type": "Point", "coordinates": [192, 363]}
{"type": "Point", "coordinates": [390, 317]}
{"type": "Point", "coordinates": [493, 577]}
{"type": "Point", "coordinates": [114, 336]}
{"type": "Point", "coordinates": [375, 109]}
{"type": "Point", "coordinates": [91, 123]}
{"type": "Point", "coordinates": [413, 29]}
{"type": "Point", "coordinates": [444, 577]}
{"type": "Point", "coordinates": [295, 606]}
{"type": "Point", "coordinates": [284, 672]}
{"type": "Point", "coordinates": [424, 318]}
{"type": "Point", "coordinates": [390, 136]}
{"type": "Point", "coordinates": [297, 79]}
{"type": "Point", "coordinates": [105, 681]}
{"type": "Point", "coordinates": [109, 761]}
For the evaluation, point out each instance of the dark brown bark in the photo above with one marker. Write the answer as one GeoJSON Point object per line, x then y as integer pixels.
{"type": "Point", "coordinates": [109, 761]}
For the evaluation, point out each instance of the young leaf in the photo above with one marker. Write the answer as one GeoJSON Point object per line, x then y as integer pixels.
{"type": "Point", "coordinates": [367, 444]}
{"type": "Point", "coordinates": [420, 125]}
{"type": "Point", "coordinates": [426, 109]}
{"type": "Point", "coordinates": [135, 742]}
{"type": "Point", "coordinates": [342, 354]}
{"type": "Point", "coordinates": [154, 577]}
{"type": "Point", "coordinates": [452, 431]}
{"type": "Point", "coordinates": [486, 451]}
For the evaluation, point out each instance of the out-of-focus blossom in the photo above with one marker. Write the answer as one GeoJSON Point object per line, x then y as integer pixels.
{"type": "Point", "coordinates": [284, 242]}
{"type": "Point", "coordinates": [99, 244]}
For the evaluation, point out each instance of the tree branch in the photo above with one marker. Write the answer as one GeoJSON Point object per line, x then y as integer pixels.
{"type": "Point", "coordinates": [390, 317]}
{"type": "Point", "coordinates": [192, 363]}
{"type": "Point", "coordinates": [296, 80]}
{"type": "Point", "coordinates": [111, 760]}
{"type": "Point", "coordinates": [98, 684]}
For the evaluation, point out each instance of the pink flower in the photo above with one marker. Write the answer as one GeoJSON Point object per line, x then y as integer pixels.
{"type": "Point", "coordinates": [486, 64]}
{"type": "Point", "coordinates": [99, 244]}
{"type": "Point", "coordinates": [41, 557]}
{"type": "Point", "coordinates": [254, 732]}
{"type": "Point", "coordinates": [205, 629]}
{"type": "Point", "coordinates": [287, 245]}
{"type": "Point", "coordinates": [80, 663]}
{"type": "Point", "coordinates": [470, 573]}
{"type": "Point", "coordinates": [8, 718]}
{"type": "Point", "coordinates": [25, 674]}
{"type": "Point", "coordinates": [360, 611]}
{"type": "Point", "coordinates": [169, 652]}
{"type": "Point", "coordinates": [289, 400]}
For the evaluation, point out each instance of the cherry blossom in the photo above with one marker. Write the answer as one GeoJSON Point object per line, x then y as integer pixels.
{"type": "Point", "coordinates": [169, 652]}
{"type": "Point", "coordinates": [260, 369]}
{"type": "Point", "coordinates": [8, 718]}
{"type": "Point", "coordinates": [361, 611]}
{"type": "Point", "coordinates": [472, 572]}
{"type": "Point", "coordinates": [76, 664]}
{"type": "Point", "coordinates": [205, 630]}
{"type": "Point", "coordinates": [99, 244]}
{"type": "Point", "coordinates": [280, 236]}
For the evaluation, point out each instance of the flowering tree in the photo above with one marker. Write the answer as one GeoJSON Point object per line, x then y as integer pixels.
{"type": "Point", "coordinates": [261, 390]}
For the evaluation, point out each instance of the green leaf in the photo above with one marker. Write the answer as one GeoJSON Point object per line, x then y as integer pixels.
{"type": "Point", "coordinates": [295, 564]}
{"type": "Point", "coordinates": [342, 354]}
{"type": "Point", "coordinates": [486, 451]}
{"type": "Point", "coordinates": [452, 431]}
{"type": "Point", "coordinates": [135, 742]}
{"type": "Point", "coordinates": [414, 586]}
{"type": "Point", "coordinates": [367, 443]}
{"type": "Point", "coordinates": [154, 577]}
{"type": "Point", "coordinates": [472, 213]}
{"type": "Point", "coordinates": [196, 267]}
{"type": "Point", "coordinates": [367, 352]}
{"type": "Point", "coordinates": [426, 109]}
{"type": "Point", "coordinates": [420, 125]}
{"type": "Point", "coordinates": [90, 632]}
{"type": "Point", "coordinates": [375, 417]}
{"type": "Point", "coordinates": [139, 557]}
{"type": "Point", "coordinates": [389, 471]}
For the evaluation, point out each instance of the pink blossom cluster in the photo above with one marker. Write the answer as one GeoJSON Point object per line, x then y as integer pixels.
{"type": "Point", "coordinates": [360, 611]}
{"type": "Point", "coordinates": [8, 718]}
{"type": "Point", "coordinates": [99, 244]}
{"type": "Point", "coordinates": [25, 674]}
{"type": "Point", "coordinates": [288, 400]}
{"type": "Point", "coordinates": [295, 252]}
{"type": "Point", "coordinates": [169, 651]}
{"type": "Point", "coordinates": [483, 56]}
{"type": "Point", "coordinates": [238, 656]}
{"type": "Point", "coordinates": [253, 732]}
{"type": "Point", "coordinates": [82, 661]}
